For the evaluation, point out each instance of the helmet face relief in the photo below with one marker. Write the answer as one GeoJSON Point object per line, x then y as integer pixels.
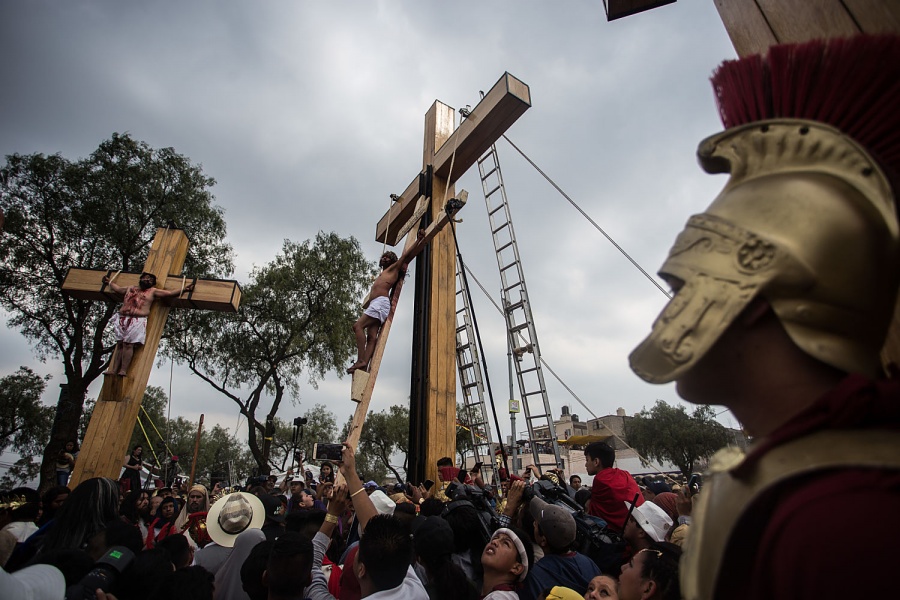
{"type": "Point", "coordinates": [722, 267]}
{"type": "Point", "coordinates": [806, 220]}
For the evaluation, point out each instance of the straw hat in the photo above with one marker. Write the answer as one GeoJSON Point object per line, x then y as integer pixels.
{"type": "Point", "coordinates": [234, 514]}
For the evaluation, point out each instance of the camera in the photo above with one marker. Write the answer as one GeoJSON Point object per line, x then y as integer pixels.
{"type": "Point", "coordinates": [695, 483]}
{"type": "Point", "coordinates": [300, 421]}
{"type": "Point", "coordinates": [331, 452]}
{"type": "Point", "coordinates": [104, 574]}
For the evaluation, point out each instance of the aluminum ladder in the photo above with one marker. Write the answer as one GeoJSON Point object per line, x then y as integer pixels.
{"type": "Point", "coordinates": [520, 330]}
{"type": "Point", "coordinates": [471, 381]}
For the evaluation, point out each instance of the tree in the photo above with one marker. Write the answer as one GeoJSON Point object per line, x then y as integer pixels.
{"type": "Point", "coordinates": [295, 318]}
{"type": "Point", "coordinates": [669, 433]}
{"type": "Point", "coordinates": [24, 423]}
{"type": "Point", "coordinates": [385, 434]}
{"type": "Point", "coordinates": [101, 211]}
{"type": "Point", "coordinates": [465, 416]}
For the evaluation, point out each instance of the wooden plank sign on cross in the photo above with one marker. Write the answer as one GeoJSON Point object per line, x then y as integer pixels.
{"type": "Point", "coordinates": [115, 413]}
{"type": "Point", "coordinates": [448, 153]}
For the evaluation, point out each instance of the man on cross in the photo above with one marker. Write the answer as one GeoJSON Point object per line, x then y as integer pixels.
{"type": "Point", "coordinates": [130, 323]}
{"type": "Point", "coordinates": [378, 303]}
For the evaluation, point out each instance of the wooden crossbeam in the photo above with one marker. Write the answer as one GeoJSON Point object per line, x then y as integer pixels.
{"type": "Point", "coordinates": [496, 112]}
{"type": "Point", "coordinates": [221, 295]}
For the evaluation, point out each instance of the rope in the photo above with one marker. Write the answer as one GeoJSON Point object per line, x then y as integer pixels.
{"type": "Point", "coordinates": [152, 424]}
{"type": "Point", "coordinates": [594, 223]}
{"type": "Point", "coordinates": [147, 439]}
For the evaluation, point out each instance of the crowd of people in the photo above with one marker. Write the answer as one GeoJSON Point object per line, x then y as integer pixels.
{"type": "Point", "coordinates": [316, 538]}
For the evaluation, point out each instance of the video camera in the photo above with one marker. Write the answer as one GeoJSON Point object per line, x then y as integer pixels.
{"type": "Point", "coordinates": [103, 576]}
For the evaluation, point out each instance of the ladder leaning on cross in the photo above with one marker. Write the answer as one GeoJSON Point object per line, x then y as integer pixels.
{"type": "Point", "coordinates": [105, 443]}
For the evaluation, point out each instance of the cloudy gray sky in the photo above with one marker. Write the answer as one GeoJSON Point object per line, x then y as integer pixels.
{"type": "Point", "coordinates": [309, 114]}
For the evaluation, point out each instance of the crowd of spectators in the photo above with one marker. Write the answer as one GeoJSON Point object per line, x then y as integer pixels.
{"type": "Point", "coordinates": [343, 537]}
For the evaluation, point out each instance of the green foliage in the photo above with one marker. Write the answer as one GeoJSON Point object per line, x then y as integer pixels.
{"type": "Point", "coordinates": [385, 434]}
{"type": "Point", "coordinates": [669, 433]}
{"type": "Point", "coordinates": [98, 212]}
{"type": "Point", "coordinates": [295, 318]}
{"type": "Point", "coordinates": [465, 416]}
{"type": "Point", "coordinates": [24, 423]}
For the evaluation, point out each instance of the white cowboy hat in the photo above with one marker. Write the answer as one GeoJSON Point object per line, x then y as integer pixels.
{"type": "Point", "coordinates": [234, 514]}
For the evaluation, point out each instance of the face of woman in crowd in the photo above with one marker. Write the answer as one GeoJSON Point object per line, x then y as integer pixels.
{"type": "Point", "coordinates": [602, 586]}
{"type": "Point", "coordinates": [58, 501]}
{"type": "Point", "coordinates": [167, 510]}
{"type": "Point", "coordinates": [632, 585]}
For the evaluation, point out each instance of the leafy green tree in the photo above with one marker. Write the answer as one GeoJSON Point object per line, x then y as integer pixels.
{"type": "Point", "coordinates": [294, 319]}
{"type": "Point", "coordinates": [101, 211]}
{"type": "Point", "coordinates": [386, 434]}
{"type": "Point", "coordinates": [24, 423]}
{"type": "Point", "coordinates": [669, 433]}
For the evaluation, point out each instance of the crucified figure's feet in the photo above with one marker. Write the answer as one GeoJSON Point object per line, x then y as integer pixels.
{"type": "Point", "coordinates": [360, 364]}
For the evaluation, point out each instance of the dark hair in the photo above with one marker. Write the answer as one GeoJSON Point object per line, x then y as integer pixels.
{"type": "Point", "coordinates": [49, 498]}
{"type": "Point", "coordinates": [74, 564]}
{"type": "Point", "coordinates": [305, 522]}
{"type": "Point", "coordinates": [573, 478]}
{"type": "Point", "coordinates": [74, 445]}
{"type": "Point", "coordinates": [116, 533]}
{"type": "Point", "coordinates": [252, 570]}
{"type": "Point", "coordinates": [143, 577]}
{"type": "Point", "coordinates": [129, 509]}
{"type": "Point", "coordinates": [431, 507]}
{"type": "Point", "coordinates": [391, 255]}
{"type": "Point", "coordinates": [178, 548]}
{"type": "Point", "coordinates": [582, 496]}
{"type": "Point", "coordinates": [150, 275]}
{"type": "Point", "coordinates": [445, 461]}
{"type": "Point", "coordinates": [169, 500]}
{"type": "Point", "coordinates": [92, 504]}
{"type": "Point", "coordinates": [386, 550]}
{"type": "Point", "coordinates": [136, 446]}
{"type": "Point", "coordinates": [603, 451]}
{"type": "Point", "coordinates": [189, 583]}
{"type": "Point", "coordinates": [290, 564]}
{"type": "Point", "coordinates": [661, 566]}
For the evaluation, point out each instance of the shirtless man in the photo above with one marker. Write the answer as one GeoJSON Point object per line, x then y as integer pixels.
{"type": "Point", "coordinates": [379, 303]}
{"type": "Point", "coordinates": [130, 323]}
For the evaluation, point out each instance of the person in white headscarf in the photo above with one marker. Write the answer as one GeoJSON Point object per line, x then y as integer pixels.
{"type": "Point", "coordinates": [228, 578]}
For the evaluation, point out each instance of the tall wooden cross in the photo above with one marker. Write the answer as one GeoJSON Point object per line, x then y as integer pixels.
{"type": "Point", "coordinates": [447, 155]}
{"type": "Point", "coordinates": [105, 443]}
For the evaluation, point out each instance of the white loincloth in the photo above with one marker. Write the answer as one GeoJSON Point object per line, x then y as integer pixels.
{"type": "Point", "coordinates": [379, 308]}
{"type": "Point", "coordinates": [131, 330]}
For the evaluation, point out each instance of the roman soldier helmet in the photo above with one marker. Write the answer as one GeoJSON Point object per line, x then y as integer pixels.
{"type": "Point", "coordinates": [807, 219]}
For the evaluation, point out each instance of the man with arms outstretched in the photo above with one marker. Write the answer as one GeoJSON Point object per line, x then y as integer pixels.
{"type": "Point", "coordinates": [378, 304]}
{"type": "Point", "coordinates": [130, 323]}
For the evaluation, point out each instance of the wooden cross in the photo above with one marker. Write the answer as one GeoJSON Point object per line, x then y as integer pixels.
{"type": "Point", "coordinates": [115, 413]}
{"type": "Point", "coordinates": [447, 155]}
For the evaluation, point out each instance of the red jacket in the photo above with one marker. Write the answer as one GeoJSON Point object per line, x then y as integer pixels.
{"type": "Point", "coordinates": [611, 488]}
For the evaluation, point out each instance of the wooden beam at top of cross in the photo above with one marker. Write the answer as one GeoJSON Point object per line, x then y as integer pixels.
{"type": "Point", "coordinates": [448, 153]}
{"type": "Point", "coordinates": [105, 443]}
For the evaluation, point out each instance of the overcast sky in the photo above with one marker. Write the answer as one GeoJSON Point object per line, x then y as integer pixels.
{"type": "Point", "coordinates": [309, 114]}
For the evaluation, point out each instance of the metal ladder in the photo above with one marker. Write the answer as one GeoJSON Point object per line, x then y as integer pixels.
{"type": "Point", "coordinates": [520, 330]}
{"type": "Point", "coordinates": [471, 380]}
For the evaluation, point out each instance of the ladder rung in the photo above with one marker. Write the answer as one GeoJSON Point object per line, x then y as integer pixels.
{"type": "Point", "coordinates": [488, 194]}
{"type": "Point", "coordinates": [518, 327]}
{"type": "Point", "coordinates": [501, 227]}
{"type": "Point", "coordinates": [513, 307]}
{"type": "Point", "coordinates": [509, 266]}
{"type": "Point", "coordinates": [493, 210]}
{"type": "Point", "coordinates": [489, 173]}
{"type": "Point", "coordinates": [524, 371]}
{"type": "Point", "coordinates": [465, 366]}
{"type": "Point", "coordinates": [505, 246]}
{"type": "Point", "coordinates": [533, 393]}
{"type": "Point", "coordinates": [470, 385]}
{"type": "Point", "coordinates": [516, 284]}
